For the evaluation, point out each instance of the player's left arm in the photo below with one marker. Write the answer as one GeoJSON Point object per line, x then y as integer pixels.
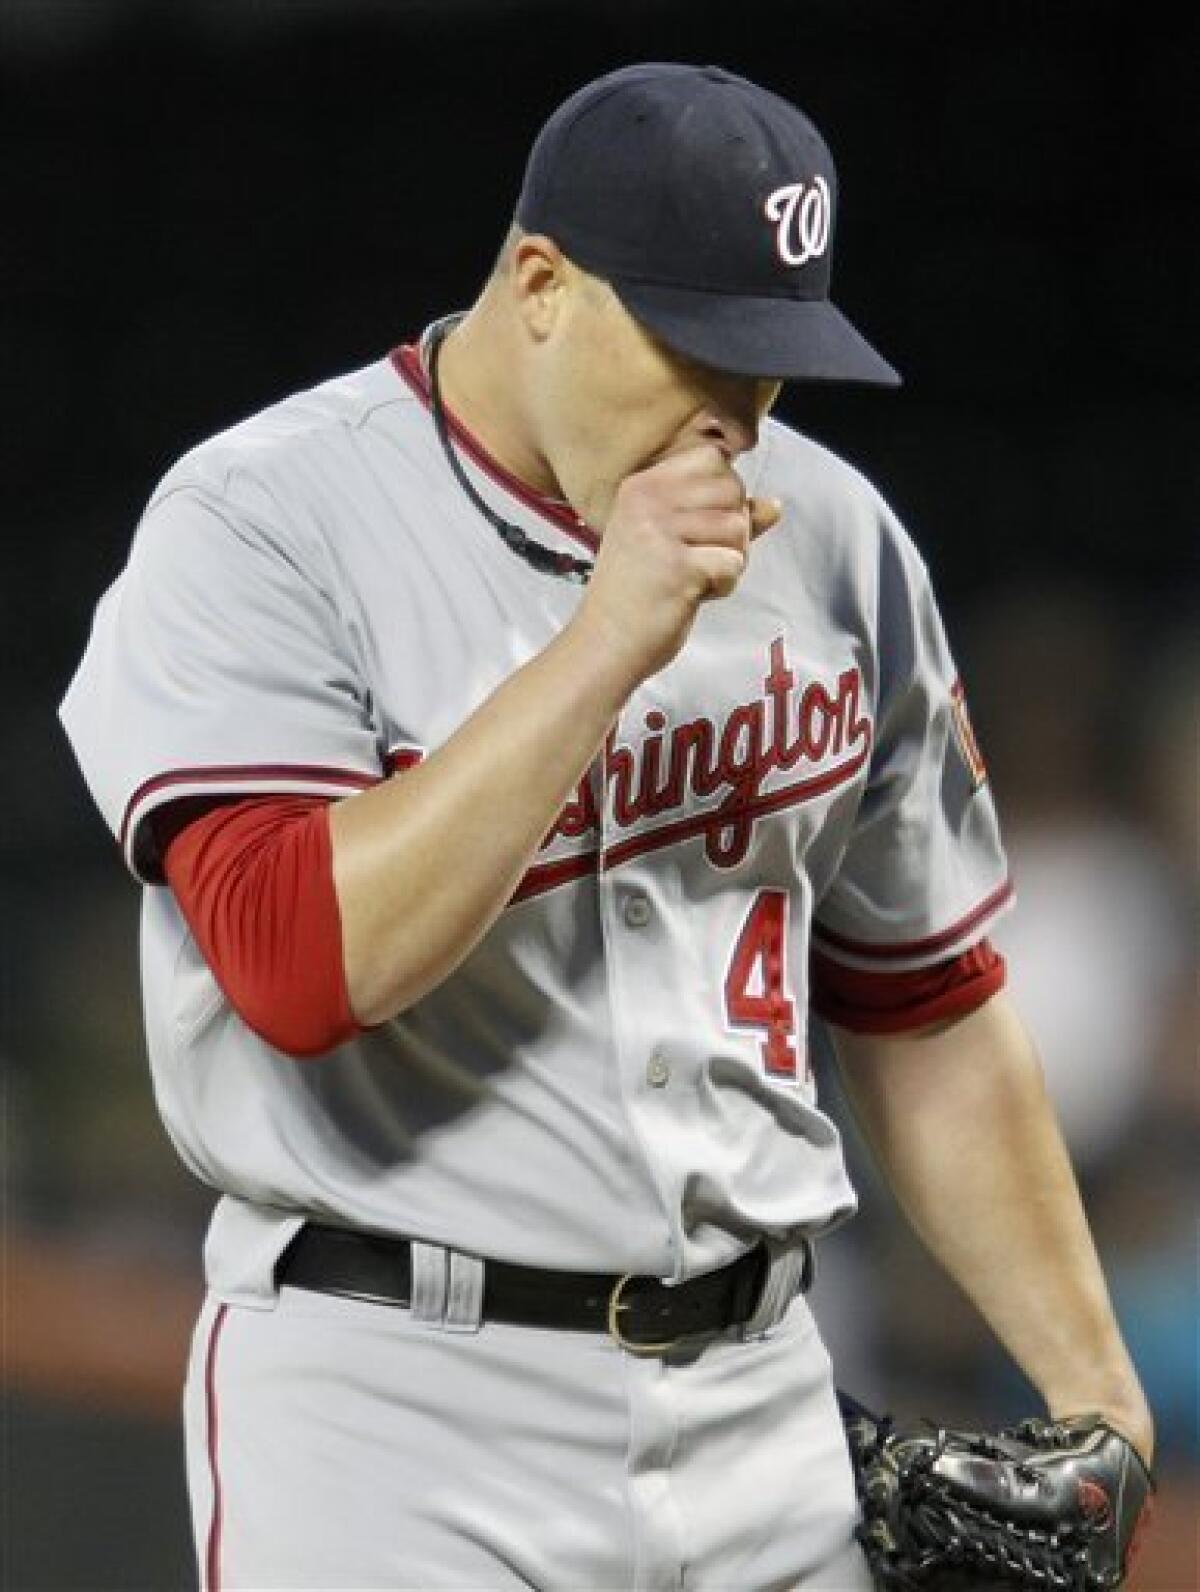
{"type": "Point", "coordinates": [958, 1118]}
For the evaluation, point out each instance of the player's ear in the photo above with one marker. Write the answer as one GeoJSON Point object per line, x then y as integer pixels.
{"type": "Point", "coordinates": [538, 281]}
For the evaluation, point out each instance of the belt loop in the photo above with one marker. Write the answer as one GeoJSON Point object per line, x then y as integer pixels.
{"type": "Point", "coordinates": [429, 1267]}
{"type": "Point", "coordinates": [789, 1272]}
{"type": "Point", "coordinates": [464, 1293]}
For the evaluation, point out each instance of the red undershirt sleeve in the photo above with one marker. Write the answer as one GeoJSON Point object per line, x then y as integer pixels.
{"type": "Point", "coordinates": [891, 1003]}
{"type": "Point", "coordinates": [254, 880]}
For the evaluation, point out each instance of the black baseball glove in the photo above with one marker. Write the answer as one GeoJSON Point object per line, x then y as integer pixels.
{"type": "Point", "coordinates": [1052, 1505]}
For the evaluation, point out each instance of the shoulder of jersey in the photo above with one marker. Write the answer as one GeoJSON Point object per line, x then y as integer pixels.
{"type": "Point", "coordinates": [828, 495]}
{"type": "Point", "coordinates": [322, 413]}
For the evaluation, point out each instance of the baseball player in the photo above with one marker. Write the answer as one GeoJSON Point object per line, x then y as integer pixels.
{"type": "Point", "coordinates": [523, 742]}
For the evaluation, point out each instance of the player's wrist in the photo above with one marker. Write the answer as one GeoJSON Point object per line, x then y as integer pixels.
{"type": "Point", "coordinates": [1128, 1415]}
{"type": "Point", "coordinates": [603, 659]}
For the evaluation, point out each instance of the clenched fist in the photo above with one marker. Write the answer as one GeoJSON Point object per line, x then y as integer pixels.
{"type": "Point", "coordinates": [679, 534]}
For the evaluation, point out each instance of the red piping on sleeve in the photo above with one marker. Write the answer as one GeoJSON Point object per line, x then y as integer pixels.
{"type": "Point", "coordinates": [254, 879]}
{"type": "Point", "coordinates": [227, 775]}
{"type": "Point", "coordinates": [901, 949]}
{"type": "Point", "coordinates": [892, 1003]}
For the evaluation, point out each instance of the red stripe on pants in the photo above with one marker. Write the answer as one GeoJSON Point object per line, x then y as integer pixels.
{"type": "Point", "coordinates": [212, 1580]}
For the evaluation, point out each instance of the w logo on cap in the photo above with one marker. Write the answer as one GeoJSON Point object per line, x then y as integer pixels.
{"type": "Point", "coordinates": [801, 211]}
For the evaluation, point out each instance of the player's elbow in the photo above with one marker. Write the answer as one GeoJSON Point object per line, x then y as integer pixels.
{"type": "Point", "coordinates": [377, 991]}
{"type": "Point", "coordinates": [303, 1029]}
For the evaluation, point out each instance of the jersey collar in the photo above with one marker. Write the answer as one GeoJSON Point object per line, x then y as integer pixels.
{"type": "Point", "coordinates": [409, 365]}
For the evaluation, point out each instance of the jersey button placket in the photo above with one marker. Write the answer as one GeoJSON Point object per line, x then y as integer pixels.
{"type": "Point", "coordinates": [632, 926]}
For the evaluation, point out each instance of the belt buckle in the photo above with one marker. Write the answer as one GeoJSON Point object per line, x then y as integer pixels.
{"type": "Point", "coordinates": [615, 1305]}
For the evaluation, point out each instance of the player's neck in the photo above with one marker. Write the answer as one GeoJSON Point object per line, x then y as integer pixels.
{"type": "Point", "coordinates": [477, 386]}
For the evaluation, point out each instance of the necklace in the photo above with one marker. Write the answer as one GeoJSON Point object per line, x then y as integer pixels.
{"type": "Point", "coordinates": [542, 558]}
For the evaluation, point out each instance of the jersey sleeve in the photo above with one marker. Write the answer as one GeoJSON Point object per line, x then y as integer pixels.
{"type": "Point", "coordinates": [924, 875]}
{"type": "Point", "coordinates": [897, 1002]}
{"type": "Point", "coordinates": [217, 663]}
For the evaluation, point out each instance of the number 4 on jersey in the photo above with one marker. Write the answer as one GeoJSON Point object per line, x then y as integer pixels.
{"type": "Point", "coordinates": [756, 993]}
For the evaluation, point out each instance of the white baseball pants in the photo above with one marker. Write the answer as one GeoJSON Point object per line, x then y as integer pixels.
{"type": "Point", "coordinates": [339, 1445]}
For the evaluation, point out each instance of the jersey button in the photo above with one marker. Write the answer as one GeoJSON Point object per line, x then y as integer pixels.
{"type": "Point", "coordinates": [636, 912]}
{"type": "Point", "coordinates": [658, 1070]}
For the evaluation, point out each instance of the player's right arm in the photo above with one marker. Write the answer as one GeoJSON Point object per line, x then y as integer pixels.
{"type": "Point", "coordinates": [425, 862]}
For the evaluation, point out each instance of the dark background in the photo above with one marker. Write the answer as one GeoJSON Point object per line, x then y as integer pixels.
{"type": "Point", "coordinates": [207, 205]}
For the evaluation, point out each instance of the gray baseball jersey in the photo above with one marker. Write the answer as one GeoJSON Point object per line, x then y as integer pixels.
{"type": "Point", "coordinates": [616, 1078]}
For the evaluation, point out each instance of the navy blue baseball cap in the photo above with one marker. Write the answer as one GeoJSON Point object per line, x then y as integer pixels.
{"type": "Point", "coordinates": [708, 203]}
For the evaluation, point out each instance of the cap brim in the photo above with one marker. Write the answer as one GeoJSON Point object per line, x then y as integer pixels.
{"type": "Point", "coordinates": [788, 339]}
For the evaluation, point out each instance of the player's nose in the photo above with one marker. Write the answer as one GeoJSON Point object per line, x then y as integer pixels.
{"type": "Point", "coordinates": [733, 417]}
{"type": "Point", "coordinates": [731, 434]}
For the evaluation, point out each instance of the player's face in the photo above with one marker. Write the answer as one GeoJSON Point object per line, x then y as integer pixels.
{"type": "Point", "coordinates": [614, 399]}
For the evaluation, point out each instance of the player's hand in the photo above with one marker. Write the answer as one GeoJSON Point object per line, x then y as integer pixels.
{"type": "Point", "coordinates": [679, 534]}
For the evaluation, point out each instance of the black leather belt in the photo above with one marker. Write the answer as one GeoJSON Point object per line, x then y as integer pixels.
{"type": "Point", "coordinates": [643, 1314]}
